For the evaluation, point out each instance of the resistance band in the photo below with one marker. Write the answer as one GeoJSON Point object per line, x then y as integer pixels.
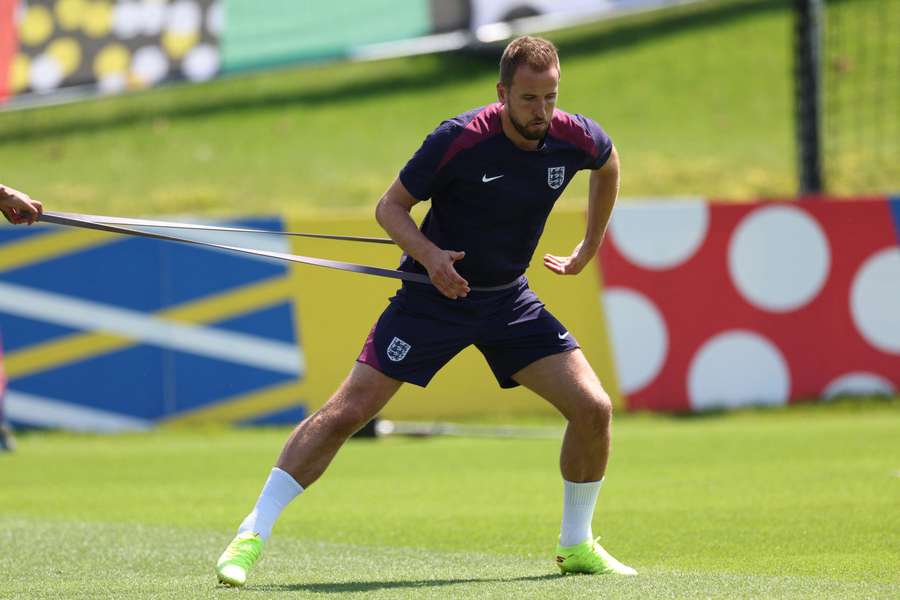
{"type": "Point", "coordinates": [115, 225]}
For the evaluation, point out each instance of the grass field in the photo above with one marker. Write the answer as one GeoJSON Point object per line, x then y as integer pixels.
{"type": "Point", "coordinates": [784, 504]}
{"type": "Point", "coordinates": [795, 503]}
{"type": "Point", "coordinates": [697, 100]}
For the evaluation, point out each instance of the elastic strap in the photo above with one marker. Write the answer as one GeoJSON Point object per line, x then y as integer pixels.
{"type": "Point", "coordinates": [87, 222]}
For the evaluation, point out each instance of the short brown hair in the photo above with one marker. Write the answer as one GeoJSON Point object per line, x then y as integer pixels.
{"type": "Point", "coordinates": [537, 53]}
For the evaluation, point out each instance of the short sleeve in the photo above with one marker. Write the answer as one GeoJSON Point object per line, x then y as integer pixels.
{"type": "Point", "coordinates": [421, 173]}
{"type": "Point", "coordinates": [602, 144]}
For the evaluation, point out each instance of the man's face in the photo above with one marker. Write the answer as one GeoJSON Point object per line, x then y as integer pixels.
{"type": "Point", "coordinates": [530, 100]}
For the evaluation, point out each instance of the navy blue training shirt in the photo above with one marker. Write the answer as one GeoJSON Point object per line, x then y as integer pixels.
{"type": "Point", "coordinates": [489, 197]}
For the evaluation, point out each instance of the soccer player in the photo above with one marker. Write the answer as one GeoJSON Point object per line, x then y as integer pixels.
{"type": "Point", "coordinates": [493, 175]}
{"type": "Point", "coordinates": [18, 207]}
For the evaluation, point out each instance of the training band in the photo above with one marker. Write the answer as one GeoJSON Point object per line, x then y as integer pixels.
{"type": "Point", "coordinates": [85, 221]}
{"type": "Point", "coordinates": [105, 220]}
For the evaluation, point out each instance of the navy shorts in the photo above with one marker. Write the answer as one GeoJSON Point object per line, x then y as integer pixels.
{"type": "Point", "coordinates": [421, 330]}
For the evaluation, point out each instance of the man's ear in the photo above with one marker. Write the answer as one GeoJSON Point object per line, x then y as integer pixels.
{"type": "Point", "coordinates": [501, 93]}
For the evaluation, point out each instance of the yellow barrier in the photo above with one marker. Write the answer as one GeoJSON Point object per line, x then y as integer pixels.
{"type": "Point", "coordinates": [335, 311]}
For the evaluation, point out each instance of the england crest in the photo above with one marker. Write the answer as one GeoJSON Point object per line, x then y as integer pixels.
{"type": "Point", "coordinates": [397, 349]}
{"type": "Point", "coordinates": [555, 177]}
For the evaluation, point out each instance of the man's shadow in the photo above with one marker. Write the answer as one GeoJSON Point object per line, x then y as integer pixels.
{"type": "Point", "coordinates": [372, 586]}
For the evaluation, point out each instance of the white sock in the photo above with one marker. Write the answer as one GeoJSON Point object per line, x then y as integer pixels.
{"type": "Point", "coordinates": [279, 490]}
{"type": "Point", "coordinates": [578, 510]}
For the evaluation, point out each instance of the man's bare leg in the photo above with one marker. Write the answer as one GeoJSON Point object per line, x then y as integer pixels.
{"type": "Point", "coordinates": [305, 456]}
{"type": "Point", "coordinates": [568, 382]}
{"type": "Point", "coordinates": [315, 441]}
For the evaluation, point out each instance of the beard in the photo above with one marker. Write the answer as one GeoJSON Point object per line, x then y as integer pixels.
{"type": "Point", "coordinates": [528, 134]}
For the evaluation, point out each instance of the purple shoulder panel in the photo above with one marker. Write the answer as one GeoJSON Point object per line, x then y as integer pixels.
{"type": "Point", "coordinates": [566, 127]}
{"type": "Point", "coordinates": [482, 124]}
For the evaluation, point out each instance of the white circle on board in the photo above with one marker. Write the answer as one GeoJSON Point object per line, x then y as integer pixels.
{"type": "Point", "coordinates": [126, 20]}
{"type": "Point", "coordinates": [657, 235]}
{"type": "Point", "coordinates": [639, 337]}
{"type": "Point", "coordinates": [779, 258]}
{"type": "Point", "coordinates": [153, 16]}
{"type": "Point", "coordinates": [184, 17]}
{"type": "Point", "coordinates": [875, 300]}
{"type": "Point", "coordinates": [858, 383]}
{"type": "Point", "coordinates": [738, 368]}
{"type": "Point", "coordinates": [201, 63]}
{"type": "Point", "coordinates": [45, 73]}
{"type": "Point", "coordinates": [150, 65]}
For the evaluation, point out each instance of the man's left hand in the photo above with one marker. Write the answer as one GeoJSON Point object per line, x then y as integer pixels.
{"type": "Point", "coordinates": [567, 265]}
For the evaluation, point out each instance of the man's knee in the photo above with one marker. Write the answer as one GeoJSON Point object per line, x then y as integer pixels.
{"type": "Point", "coordinates": [595, 414]}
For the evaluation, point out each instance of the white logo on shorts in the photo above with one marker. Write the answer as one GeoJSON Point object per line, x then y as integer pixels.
{"type": "Point", "coordinates": [397, 349]}
{"type": "Point", "coordinates": [556, 176]}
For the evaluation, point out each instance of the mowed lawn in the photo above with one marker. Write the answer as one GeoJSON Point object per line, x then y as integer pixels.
{"type": "Point", "coordinates": [801, 503]}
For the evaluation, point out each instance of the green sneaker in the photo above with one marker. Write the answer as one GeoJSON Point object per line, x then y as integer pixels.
{"type": "Point", "coordinates": [239, 556]}
{"type": "Point", "coordinates": [589, 557]}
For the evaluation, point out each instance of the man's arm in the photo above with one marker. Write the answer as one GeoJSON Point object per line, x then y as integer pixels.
{"type": "Point", "coordinates": [392, 213]}
{"type": "Point", "coordinates": [18, 207]}
{"type": "Point", "coordinates": [602, 191]}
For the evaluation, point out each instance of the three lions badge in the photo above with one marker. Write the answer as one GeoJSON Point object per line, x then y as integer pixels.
{"type": "Point", "coordinates": [397, 349]}
{"type": "Point", "coordinates": [556, 176]}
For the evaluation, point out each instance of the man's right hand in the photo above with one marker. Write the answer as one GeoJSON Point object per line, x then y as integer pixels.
{"type": "Point", "coordinates": [18, 207]}
{"type": "Point", "coordinates": [443, 275]}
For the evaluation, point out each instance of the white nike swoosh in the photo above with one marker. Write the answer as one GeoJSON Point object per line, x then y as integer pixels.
{"type": "Point", "coordinates": [486, 179]}
{"type": "Point", "coordinates": [562, 336]}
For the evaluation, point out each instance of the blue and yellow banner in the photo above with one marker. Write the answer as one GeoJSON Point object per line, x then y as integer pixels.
{"type": "Point", "coordinates": [103, 332]}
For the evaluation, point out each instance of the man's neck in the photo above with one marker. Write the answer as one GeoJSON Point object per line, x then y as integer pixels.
{"type": "Point", "coordinates": [510, 131]}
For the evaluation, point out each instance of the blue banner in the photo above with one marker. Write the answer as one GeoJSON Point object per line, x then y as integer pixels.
{"type": "Point", "coordinates": [103, 332]}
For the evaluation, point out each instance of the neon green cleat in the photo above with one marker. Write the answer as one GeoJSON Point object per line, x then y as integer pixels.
{"type": "Point", "coordinates": [589, 557]}
{"type": "Point", "coordinates": [239, 556]}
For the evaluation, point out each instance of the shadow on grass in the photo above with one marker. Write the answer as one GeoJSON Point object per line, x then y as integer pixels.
{"type": "Point", "coordinates": [435, 72]}
{"type": "Point", "coordinates": [372, 586]}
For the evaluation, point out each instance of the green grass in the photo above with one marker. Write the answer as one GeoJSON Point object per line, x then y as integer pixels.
{"type": "Point", "coordinates": [786, 504]}
{"type": "Point", "coordinates": [861, 123]}
{"type": "Point", "coordinates": [697, 99]}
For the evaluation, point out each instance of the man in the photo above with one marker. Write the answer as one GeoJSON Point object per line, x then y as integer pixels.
{"type": "Point", "coordinates": [493, 175]}
{"type": "Point", "coordinates": [17, 207]}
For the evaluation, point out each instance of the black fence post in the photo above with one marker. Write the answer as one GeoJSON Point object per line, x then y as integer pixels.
{"type": "Point", "coordinates": [807, 109]}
